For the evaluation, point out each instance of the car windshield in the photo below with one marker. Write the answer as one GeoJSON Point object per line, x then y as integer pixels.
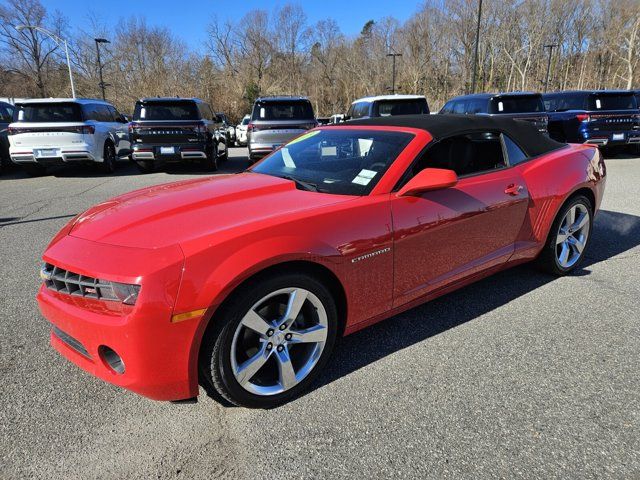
{"type": "Point", "coordinates": [245, 121]}
{"type": "Point", "coordinates": [283, 110]}
{"type": "Point", "coordinates": [49, 112]}
{"type": "Point", "coordinates": [343, 162]}
{"type": "Point", "coordinates": [517, 104]}
{"type": "Point", "coordinates": [612, 102]}
{"type": "Point", "coordinates": [166, 111]}
{"type": "Point", "coordinates": [402, 107]}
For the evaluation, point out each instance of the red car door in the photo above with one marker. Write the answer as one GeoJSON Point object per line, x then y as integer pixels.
{"type": "Point", "coordinates": [445, 235]}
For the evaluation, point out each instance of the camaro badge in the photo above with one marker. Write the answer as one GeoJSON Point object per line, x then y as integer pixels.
{"type": "Point", "coordinates": [370, 255]}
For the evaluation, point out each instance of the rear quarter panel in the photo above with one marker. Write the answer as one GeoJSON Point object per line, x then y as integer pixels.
{"type": "Point", "coordinates": [551, 179]}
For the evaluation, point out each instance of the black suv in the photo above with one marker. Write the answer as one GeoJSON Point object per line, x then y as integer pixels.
{"type": "Point", "coordinates": [526, 106]}
{"type": "Point", "coordinates": [167, 130]}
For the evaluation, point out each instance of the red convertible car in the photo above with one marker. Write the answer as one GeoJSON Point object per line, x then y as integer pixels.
{"type": "Point", "coordinates": [244, 282]}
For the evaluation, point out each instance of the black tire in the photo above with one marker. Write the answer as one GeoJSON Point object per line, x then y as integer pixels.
{"type": "Point", "coordinates": [225, 156]}
{"type": "Point", "coordinates": [548, 259]}
{"type": "Point", "coordinates": [35, 170]}
{"type": "Point", "coordinates": [215, 354]}
{"type": "Point", "coordinates": [145, 166]}
{"type": "Point", "coordinates": [109, 159]}
{"type": "Point", "coordinates": [210, 163]}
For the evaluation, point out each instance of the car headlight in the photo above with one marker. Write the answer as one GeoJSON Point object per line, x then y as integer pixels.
{"type": "Point", "coordinates": [126, 293]}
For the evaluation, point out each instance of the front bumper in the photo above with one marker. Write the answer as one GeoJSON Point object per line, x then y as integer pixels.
{"type": "Point", "coordinates": [181, 152]}
{"type": "Point", "coordinates": [158, 355]}
{"type": "Point", "coordinates": [63, 155]}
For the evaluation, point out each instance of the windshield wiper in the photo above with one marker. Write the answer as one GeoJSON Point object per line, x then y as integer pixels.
{"type": "Point", "coordinates": [311, 187]}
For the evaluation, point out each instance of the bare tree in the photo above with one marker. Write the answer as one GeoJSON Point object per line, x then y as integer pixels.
{"type": "Point", "coordinates": [30, 53]}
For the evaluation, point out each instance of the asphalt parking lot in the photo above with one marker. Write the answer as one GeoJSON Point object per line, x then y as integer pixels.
{"type": "Point", "coordinates": [519, 376]}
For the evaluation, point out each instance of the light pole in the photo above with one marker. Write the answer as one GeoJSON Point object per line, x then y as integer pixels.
{"type": "Point", "coordinates": [58, 41]}
{"type": "Point", "coordinates": [102, 84]}
{"type": "Point", "coordinates": [475, 53]}
{"type": "Point", "coordinates": [393, 75]}
{"type": "Point", "coordinates": [550, 46]}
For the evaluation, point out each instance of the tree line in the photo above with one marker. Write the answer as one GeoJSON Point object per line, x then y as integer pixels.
{"type": "Point", "coordinates": [596, 45]}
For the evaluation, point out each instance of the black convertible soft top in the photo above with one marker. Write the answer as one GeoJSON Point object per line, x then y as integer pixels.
{"type": "Point", "coordinates": [524, 133]}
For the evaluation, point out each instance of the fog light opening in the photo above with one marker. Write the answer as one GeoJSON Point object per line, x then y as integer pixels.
{"type": "Point", "coordinates": [111, 359]}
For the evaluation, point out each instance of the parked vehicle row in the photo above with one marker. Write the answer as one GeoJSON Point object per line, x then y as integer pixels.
{"type": "Point", "coordinates": [607, 118]}
{"type": "Point", "coordinates": [167, 130]}
{"type": "Point", "coordinates": [65, 131]}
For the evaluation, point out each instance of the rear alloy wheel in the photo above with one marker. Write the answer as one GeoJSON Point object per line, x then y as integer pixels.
{"type": "Point", "coordinates": [109, 158]}
{"type": "Point", "coordinates": [269, 352]}
{"type": "Point", "coordinates": [568, 238]}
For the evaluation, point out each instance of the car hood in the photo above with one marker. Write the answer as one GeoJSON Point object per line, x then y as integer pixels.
{"type": "Point", "coordinates": [173, 213]}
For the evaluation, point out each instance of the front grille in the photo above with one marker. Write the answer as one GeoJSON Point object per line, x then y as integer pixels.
{"type": "Point", "coordinates": [70, 341]}
{"type": "Point", "coordinates": [66, 281]}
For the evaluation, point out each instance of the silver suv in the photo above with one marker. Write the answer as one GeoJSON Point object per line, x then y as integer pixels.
{"type": "Point", "coordinates": [275, 121]}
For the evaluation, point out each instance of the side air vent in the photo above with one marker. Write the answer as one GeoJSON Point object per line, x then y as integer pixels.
{"type": "Point", "coordinates": [70, 341]}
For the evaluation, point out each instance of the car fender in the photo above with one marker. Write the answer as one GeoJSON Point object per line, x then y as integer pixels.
{"type": "Point", "coordinates": [219, 270]}
{"type": "Point", "coordinates": [231, 270]}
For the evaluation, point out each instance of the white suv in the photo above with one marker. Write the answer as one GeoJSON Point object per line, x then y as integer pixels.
{"type": "Point", "coordinates": [62, 131]}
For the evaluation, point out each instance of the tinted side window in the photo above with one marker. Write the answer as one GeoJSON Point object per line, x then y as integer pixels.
{"type": "Point", "coordinates": [90, 112]}
{"type": "Point", "coordinates": [458, 106]}
{"type": "Point", "coordinates": [476, 105]}
{"type": "Point", "coordinates": [115, 115]}
{"type": "Point", "coordinates": [564, 102]}
{"type": "Point", "coordinates": [360, 110]}
{"type": "Point", "coordinates": [104, 113]}
{"type": "Point", "coordinates": [205, 111]}
{"type": "Point", "coordinates": [448, 108]}
{"type": "Point", "coordinates": [513, 152]}
{"type": "Point", "coordinates": [465, 154]}
{"type": "Point", "coordinates": [6, 113]}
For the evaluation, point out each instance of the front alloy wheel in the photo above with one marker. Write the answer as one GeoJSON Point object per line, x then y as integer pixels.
{"type": "Point", "coordinates": [279, 341]}
{"type": "Point", "coordinates": [278, 334]}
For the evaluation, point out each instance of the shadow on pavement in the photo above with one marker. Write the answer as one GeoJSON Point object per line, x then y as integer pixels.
{"type": "Point", "coordinates": [4, 222]}
{"type": "Point", "coordinates": [614, 233]}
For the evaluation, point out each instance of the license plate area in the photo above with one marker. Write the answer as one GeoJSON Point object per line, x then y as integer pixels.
{"type": "Point", "coordinates": [617, 136]}
{"type": "Point", "coordinates": [46, 152]}
{"type": "Point", "coordinates": [167, 150]}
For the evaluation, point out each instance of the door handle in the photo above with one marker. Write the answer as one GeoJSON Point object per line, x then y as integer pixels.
{"type": "Point", "coordinates": [513, 189]}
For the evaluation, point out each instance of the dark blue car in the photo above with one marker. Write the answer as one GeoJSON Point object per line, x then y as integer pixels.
{"type": "Point", "coordinates": [606, 118]}
{"type": "Point", "coordinates": [526, 106]}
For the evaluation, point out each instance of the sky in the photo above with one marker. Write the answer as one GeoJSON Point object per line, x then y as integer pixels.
{"type": "Point", "coordinates": [188, 19]}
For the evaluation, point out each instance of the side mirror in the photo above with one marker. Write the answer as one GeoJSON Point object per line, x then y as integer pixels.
{"type": "Point", "coordinates": [427, 180]}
